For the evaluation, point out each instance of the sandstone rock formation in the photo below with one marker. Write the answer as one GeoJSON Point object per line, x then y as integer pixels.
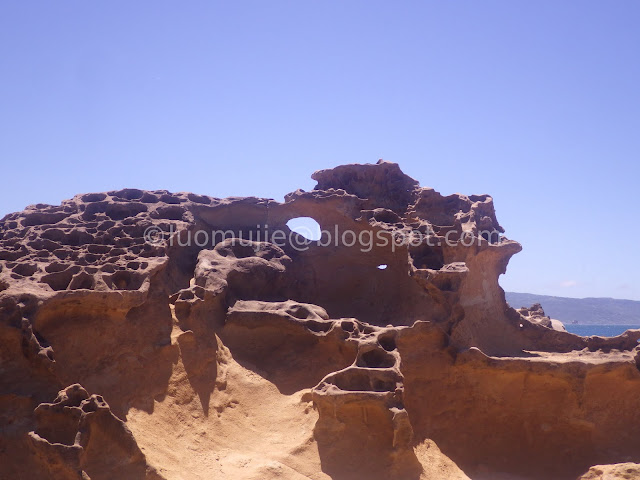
{"type": "Point", "coordinates": [621, 471]}
{"type": "Point", "coordinates": [149, 335]}
{"type": "Point", "coordinates": [535, 314]}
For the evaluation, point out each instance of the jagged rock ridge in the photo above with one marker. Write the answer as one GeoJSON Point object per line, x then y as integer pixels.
{"type": "Point", "coordinates": [131, 330]}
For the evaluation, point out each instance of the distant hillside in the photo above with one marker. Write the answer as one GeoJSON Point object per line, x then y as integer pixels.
{"type": "Point", "coordinates": [585, 311]}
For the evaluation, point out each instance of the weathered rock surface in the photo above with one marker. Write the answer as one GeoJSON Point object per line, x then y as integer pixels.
{"type": "Point", "coordinates": [211, 342]}
{"type": "Point", "coordinates": [621, 471]}
{"type": "Point", "coordinates": [77, 437]}
{"type": "Point", "coordinates": [535, 314]}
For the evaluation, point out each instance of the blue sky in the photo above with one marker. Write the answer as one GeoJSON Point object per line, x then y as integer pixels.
{"type": "Point", "coordinates": [535, 103]}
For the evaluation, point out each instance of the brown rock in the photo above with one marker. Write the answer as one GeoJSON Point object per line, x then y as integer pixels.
{"type": "Point", "coordinates": [77, 437]}
{"type": "Point", "coordinates": [210, 346]}
{"type": "Point", "coordinates": [626, 471]}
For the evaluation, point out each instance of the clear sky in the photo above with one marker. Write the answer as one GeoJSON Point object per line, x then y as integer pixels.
{"type": "Point", "coordinates": [534, 102]}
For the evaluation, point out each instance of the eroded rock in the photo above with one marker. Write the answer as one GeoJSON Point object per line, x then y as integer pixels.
{"type": "Point", "coordinates": [392, 330]}
{"type": "Point", "coordinates": [77, 437]}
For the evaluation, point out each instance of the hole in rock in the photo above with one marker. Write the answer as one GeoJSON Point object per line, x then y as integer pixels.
{"type": "Point", "coordinates": [348, 326]}
{"type": "Point", "coordinates": [124, 280]}
{"type": "Point", "coordinates": [318, 327]}
{"type": "Point", "coordinates": [382, 266]}
{"type": "Point", "coordinates": [382, 385]}
{"type": "Point", "coordinates": [384, 215]}
{"type": "Point", "coordinates": [60, 280]}
{"type": "Point", "coordinates": [54, 234]}
{"type": "Point", "coordinates": [148, 198]}
{"type": "Point", "coordinates": [128, 194]}
{"type": "Point", "coordinates": [376, 359]}
{"type": "Point", "coordinates": [306, 227]}
{"type": "Point", "coordinates": [169, 198]}
{"type": "Point", "coordinates": [75, 238]}
{"type": "Point", "coordinates": [387, 342]}
{"type": "Point", "coordinates": [91, 258]}
{"type": "Point", "coordinates": [93, 197]}
{"type": "Point", "coordinates": [25, 269]}
{"type": "Point", "coordinates": [98, 249]}
{"type": "Point", "coordinates": [355, 380]}
{"type": "Point", "coordinates": [186, 295]}
{"type": "Point", "coordinates": [199, 199]}
{"type": "Point", "coordinates": [108, 268]}
{"type": "Point", "coordinates": [82, 281]}
{"type": "Point", "coordinates": [426, 256]}
{"type": "Point", "coordinates": [120, 211]}
{"type": "Point", "coordinates": [237, 248]}
{"type": "Point", "coordinates": [171, 212]}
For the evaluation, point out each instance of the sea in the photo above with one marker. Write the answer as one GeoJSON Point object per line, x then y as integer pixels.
{"type": "Point", "coordinates": [601, 330]}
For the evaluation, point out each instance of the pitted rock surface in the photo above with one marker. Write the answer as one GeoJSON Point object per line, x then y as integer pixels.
{"type": "Point", "coordinates": [186, 340]}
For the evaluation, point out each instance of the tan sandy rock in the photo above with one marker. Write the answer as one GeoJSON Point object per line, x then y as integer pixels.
{"type": "Point", "coordinates": [208, 347]}
{"type": "Point", "coordinates": [621, 471]}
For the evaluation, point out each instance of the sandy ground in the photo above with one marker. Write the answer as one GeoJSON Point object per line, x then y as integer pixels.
{"type": "Point", "coordinates": [251, 431]}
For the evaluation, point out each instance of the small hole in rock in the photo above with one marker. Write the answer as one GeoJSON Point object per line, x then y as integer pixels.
{"type": "Point", "coordinates": [381, 385]}
{"type": "Point", "coordinates": [186, 295]}
{"type": "Point", "coordinates": [25, 269]}
{"type": "Point", "coordinates": [376, 359]}
{"type": "Point", "coordinates": [82, 281]}
{"type": "Point", "coordinates": [318, 327]}
{"type": "Point", "coordinates": [348, 326]}
{"type": "Point", "coordinates": [387, 342]}
{"type": "Point", "coordinates": [306, 227]}
{"type": "Point", "coordinates": [382, 266]}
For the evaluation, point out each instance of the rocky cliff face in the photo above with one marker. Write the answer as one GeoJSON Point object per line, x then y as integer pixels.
{"type": "Point", "coordinates": [146, 334]}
